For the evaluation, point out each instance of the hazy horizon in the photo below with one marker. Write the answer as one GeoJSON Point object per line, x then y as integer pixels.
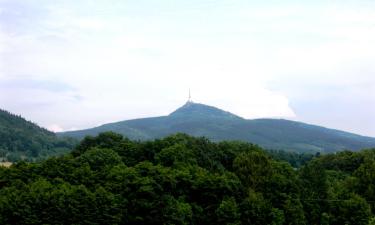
{"type": "Point", "coordinates": [73, 65]}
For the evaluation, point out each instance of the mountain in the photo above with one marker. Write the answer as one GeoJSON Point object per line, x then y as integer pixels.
{"type": "Point", "coordinates": [203, 120]}
{"type": "Point", "coordinates": [21, 139]}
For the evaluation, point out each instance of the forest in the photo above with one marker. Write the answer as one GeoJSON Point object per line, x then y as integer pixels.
{"type": "Point", "coordinates": [109, 179]}
{"type": "Point", "coordinates": [24, 140]}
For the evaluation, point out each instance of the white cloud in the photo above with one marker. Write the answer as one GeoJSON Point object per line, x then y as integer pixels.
{"type": "Point", "coordinates": [123, 62]}
{"type": "Point", "coordinates": [55, 128]}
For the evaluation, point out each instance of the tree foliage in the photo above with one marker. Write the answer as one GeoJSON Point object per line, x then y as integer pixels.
{"type": "Point", "coordinates": [23, 140]}
{"type": "Point", "coordinates": [180, 179]}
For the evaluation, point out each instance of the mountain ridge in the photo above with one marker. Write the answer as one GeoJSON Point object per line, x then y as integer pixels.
{"type": "Point", "coordinates": [23, 139]}
{"type": "Point", "coordinates": [198, 119]}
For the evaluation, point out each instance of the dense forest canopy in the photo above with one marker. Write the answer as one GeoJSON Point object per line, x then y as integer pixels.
{"type": "Point", "coordinates": [181, 179]}
{"type": "Point", "coordinates": [22, 139]}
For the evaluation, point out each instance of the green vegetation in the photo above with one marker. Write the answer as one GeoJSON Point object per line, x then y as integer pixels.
{"type": "Point", "coordinates": [24, 140]}
{"type": "Point", "coordinates": [217, 125]}
{"type": "Point", "coordinates": [181, 179]}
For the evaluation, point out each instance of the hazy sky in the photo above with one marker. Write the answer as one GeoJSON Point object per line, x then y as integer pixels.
{"type": "Point", "coordinates": [76, 64]}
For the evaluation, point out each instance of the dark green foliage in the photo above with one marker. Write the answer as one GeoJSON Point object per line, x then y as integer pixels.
{"type": "Point", "coordinates": [313, 179]}
{"type": "Point", "coordinates": [218, 125]}
{"type": "Point", "coordinates": [99, 159]}
{"type": "Point", "coordinates": [176, 154]}
{"type": "Point", "coordinates": [180, 179]}
{"type": "Point", "coordinates": [24, 140]}
{"type": "Point", "coordinates": [253, 168]}
{"type": "Point", "coordinates": [228, 212]}
{"type": "Point", "coordinates": [365, 175]}
{"type": "Point", "coordinates": [41, 202]}
{"type": "Point", "coordinates": [296, 160]}
{"type": "Point", "coordinates": [103, 140]}
{"type": "Point", "coordinates": [293, 210]}
{"type": "Point", "coordinates": [257, 210]}
{"type": "Point", "coordinates": [352, 209]}
{"type": "Point", "coordinates": [345, 161]}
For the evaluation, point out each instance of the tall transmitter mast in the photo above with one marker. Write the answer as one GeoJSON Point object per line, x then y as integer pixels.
{"type": "Point", "coordinates": [189, 99]}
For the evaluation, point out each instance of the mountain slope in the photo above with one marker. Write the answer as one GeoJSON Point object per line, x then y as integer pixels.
{"type": "Point", "coordinates": [216, 124]}
{"type": "Point", "coordinates": [21, 139]}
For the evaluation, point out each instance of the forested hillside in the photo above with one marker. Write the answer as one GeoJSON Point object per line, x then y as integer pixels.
{"type": "Point", "coordinates": [218, 125]}
{"type": "Point", "coordinates": [21, 139]}
{"type": "Point", "coordinates": [181, 179]}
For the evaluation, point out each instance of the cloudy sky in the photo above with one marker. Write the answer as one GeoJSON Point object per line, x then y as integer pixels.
{"type": "Point", "coordinates": [68, 64]}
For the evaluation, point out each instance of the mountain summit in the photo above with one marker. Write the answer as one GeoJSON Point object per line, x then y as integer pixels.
{"type": "Point", "coordinates": [197, 110]}
{"type": "Point", "coordinates": [202, 120]}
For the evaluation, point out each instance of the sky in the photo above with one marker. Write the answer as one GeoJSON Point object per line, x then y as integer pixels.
{"type": "Point", "coordinates": [68, 64]}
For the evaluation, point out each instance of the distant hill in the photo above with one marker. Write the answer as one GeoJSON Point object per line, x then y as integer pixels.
{"type": "Point", "coordinates": [21, 139]}
{"type": "Point", "coordinates": [203, 120]}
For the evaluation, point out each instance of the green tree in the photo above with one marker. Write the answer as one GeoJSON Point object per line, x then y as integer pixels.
{"type": "Point", "coordinates": [175, 154]}
{"type": "Point", "coordinates": [228, 212]}
{"type": "Point", "coordinates": [253, 168]}
{"type": "Point", "coordinates": [98, 159]}
{"type": "Point", "coordinates": [258, 211]}
{"type": "Point", "coordinates": [314, 191]}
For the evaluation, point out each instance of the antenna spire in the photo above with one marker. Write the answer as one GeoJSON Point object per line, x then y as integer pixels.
{"type": "Point", "coordinates": [189, 100]}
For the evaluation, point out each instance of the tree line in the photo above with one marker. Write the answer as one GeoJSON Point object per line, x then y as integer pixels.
{"type": "Point", "coordinates": [109, 179]}
{"type": "Point", "coordinates": [23, 140]}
